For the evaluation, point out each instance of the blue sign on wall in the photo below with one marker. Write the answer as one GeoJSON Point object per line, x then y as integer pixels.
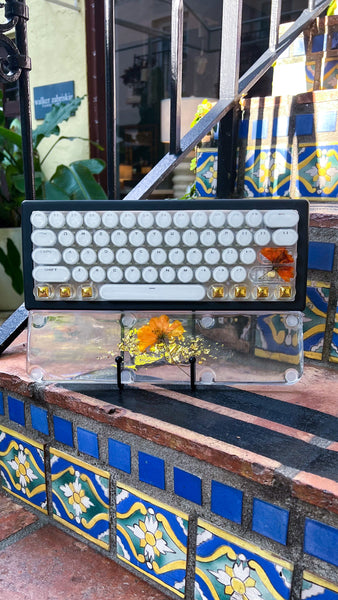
{"type": "Point", "coordinates": [47, 95]}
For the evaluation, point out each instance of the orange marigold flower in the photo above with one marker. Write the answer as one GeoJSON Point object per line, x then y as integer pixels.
{"type": "Point", "coordinates": [159, 330]}
{"type": "Point", "coordinates": [280, 257]}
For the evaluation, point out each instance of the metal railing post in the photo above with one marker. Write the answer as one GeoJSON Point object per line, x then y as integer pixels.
{"type": "Point", "coordinates": [110, 82]}
{"type": "Point", "coordinates": [176, 75]}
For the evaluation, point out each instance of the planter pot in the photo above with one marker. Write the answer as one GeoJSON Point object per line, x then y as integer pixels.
{"type": "Point", "coordinates": [9, 299]}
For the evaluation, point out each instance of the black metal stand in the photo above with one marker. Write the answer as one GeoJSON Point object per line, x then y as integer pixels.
{"type": "Point", "coordinates": [119, 362]}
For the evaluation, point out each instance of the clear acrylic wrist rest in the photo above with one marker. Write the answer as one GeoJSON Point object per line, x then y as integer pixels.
{"type": "Point", "coordinates": [165, 348]}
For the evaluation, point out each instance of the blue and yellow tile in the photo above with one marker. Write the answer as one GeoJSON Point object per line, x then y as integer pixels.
{"type": "Point", "coordinates": [314, 320]}
{"type": "Point", "coordinates": [152, 538]}
{"type": "Point", "coordinates": [334, 341]}
{"type": "Point", "coordinates": [206, 172]}
{"type": "Point", "coordinates": [317, 174]}
{"type": "Point", "coordinates": [228, 567]}
{"type": "Point", "coordinates": [80, 494]}
{"type": "Point", "coordinates": [314, 586]}
{"type": "Point", "coordinates": [278, 338]}
{"type": "Point", "coordinates": [267, 172]}
{"type": "Point", "coordinates": [330, 75]}
{"type": "Point", "coordinates": [23, 468]}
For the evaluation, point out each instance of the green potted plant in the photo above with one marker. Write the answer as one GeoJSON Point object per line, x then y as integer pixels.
{"type": "Point", "coordinates": [73, 181]}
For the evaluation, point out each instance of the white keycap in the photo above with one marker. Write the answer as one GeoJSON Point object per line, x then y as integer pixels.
{"type": "Point", "coordinates": [74, 219]}
{"type": "Point", "coordinates": [66, 238]}
{"type": "Point", "coordinates": [132, 274]}
{"type": "Point", "coordinates": [163, 219]}
{"type": "Point", "coordinates": [149, 274]}
{"type": "Point", "coordinates": [212, 256]}
{"type": "Point", "coordinates": [181, 219]}
{"type": "Point", "coordinates": [229, 256]}
{"type": "Point", "coordinates": [208, 237]}
{"type": "Point", "coordinates": [88, 256]}
{"type": "Point", "coordinates": [244, 237]}
{"type": "Point", "coordinates": [167, 274]}
{"type": "Point", "coordinates": [141, 256]}
{"type": "Point", "coordinates": [115, 274]}
{"type": "Point", "coordinates": [238, 274]}
{"type": "Point", "coordinates": [176, 256]}
{"type": "Point", "coordinates": [145, 219]}
{"type": "Point", "coordinates": [235, 218]}
{"type": "Point", "coordinates": [70, 256]}
{"type": "Point", "coordinates": [97, 274]}
{"type": "Point", "coordinates": [46, 256]}
{"type": "Point", "coordinates": [110, 219]}
{"type": "Point", "coordinates": [281, 218]}
{"type": "Point", "coordinates": [226, 237]}
{"type": "Point", "coordinates": [247, 256]}
{"type": "Point", "coordinates": [127, 219]}
{"type": "Point", "coordinates": [199, 219]}
{"type": "Point", "coordinates": [101, 238]}
{"type": "Point", "coordinates": [190, 237]}
{"type": "Point", "coordinates": [79, 274]}
{"type": "Point", "coordinates": [284, 237]}
{"type": "Point", "coordinates": [203, 274]}
{"type": "Point", "coordinates": [119, 238]}
{"type": "Point", "coordinates": [38, 219]}
{"type": "Point", "coordinates": [172, 237]}
{"type": "Point", "coordinates": [220, 274]}
{"type": "Point", "coordinates": [185, 274]}
{"type": "Point", "coordinates": [194, 256]}
{"type": "Point", "coordinates": [262, 237]}
{"type": "Point", "coordinates": [158, 256]}
{"type": "Point", "coordinates": [154, 238]}
{"type": "Point", "coordinates": [51, 274]}
{"type": "Point", "coordinates": [83, 238]}
{"type": "Point", "coordinates": [153, 292]}
{"type": "Point", "coordinates": [217, 218]}
{"type": "Point", "coordinates": [92, 219]}
{"type": "Point", "coordinates": [123, 256]}
{"type": "Point", "coordinates": [56, 219]}
{"type": "Point", "coordinates": [253, 218]}
{"type": "Point", "coordinates": [106, 256]}
{"type": "Point", "coordinates": [136, 237]}
{"type": "Point", "coordinates": [43, 237]}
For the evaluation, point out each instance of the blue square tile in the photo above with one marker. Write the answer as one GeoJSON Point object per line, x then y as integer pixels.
{"type": "Point", "coordinates": [270, 520]}
{"type": "Point", "coordinates": [334, 40]}
{"type": "Point", "coordinates": [119, 455]}
{"type": "Point", "coordinates": [2, 409]}
{"type": "Point", "coordinates": [39, 419]}
{"type": "Point", "coordinates": [259, 129]}
{"type": "Point", "coordinates": [326, 121]}
{"type": "Point", "coordinates": [321, 255]}
{"type": "Point", "coordinates": [187, 485]}
{"type": "Point", "coordinates": [304, 124]}
{"type": "Point", "coordinates": [151, 470]}
{"type": "Point", "coordinates": [281, 127]}
{"type": "Point", "coordinates": [319, 43]}
{"type": "Point", "coordinates": [226, 501]}
{"type": "Point", "coordinates": [321, 540]}
{"type": "Point", "coordinates": [63, 431]}
{"type": "Point", "coordinates": [16, 410]}
{"type": "Point", "coordinates": [243, 129]}
{"type": "Point", "coordinates": [88, 442]}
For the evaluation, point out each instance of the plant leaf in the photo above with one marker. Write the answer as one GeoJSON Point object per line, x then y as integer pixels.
{"type": "Point", "coordinates": [52, 192]}
{"type": "Point", "coordinates": [77, 182]}
{"type": "Point", "coordinates": [57, 115]}
{"type": "Point", "coordinates": [11, 263]}
{"type": "Point", "coordinates": [19, 181]}
{"type": "Point", "coordinates": [94, 165]}
{"type": "Point", "coordinates": [11, 136]}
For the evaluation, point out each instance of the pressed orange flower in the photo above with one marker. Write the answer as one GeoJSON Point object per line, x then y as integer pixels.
{"type": "Point", "coordinates": [159, 330]}
{"type": "Point", "coordinates": [279, 257]}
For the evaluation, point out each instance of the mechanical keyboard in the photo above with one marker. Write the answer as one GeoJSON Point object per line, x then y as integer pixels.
{"type": "Point", "coordinates": [172, 255]}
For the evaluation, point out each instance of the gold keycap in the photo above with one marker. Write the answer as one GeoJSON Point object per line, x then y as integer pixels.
{"type": "Point", "coordinates": [240, 291]}
{"type": "Point", "coordinates": [262, 291]}
{"type": "Point", "coordinates": [43, 291]}
{"type": "Point", "coordinates": [65, 292]}
{"type": "Point", "coordinates": [285, 292]}
{"type": "Point", "coordinates": [87, 291]}
{"type": "Point", "coordinates": [218, 291]}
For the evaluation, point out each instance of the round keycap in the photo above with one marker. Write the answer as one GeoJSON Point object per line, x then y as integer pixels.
{"type": "Point", "coordinates": [238, 274]}
{"type": "Point", "coordinates": [127, 219]}
{"type": "Point", "coordinates": [43, 237]}
{"type": "Point", "coordinates": [199, 219]}
{"type": "Point", "coordinates": [190, 237]}
{"type": "Point", "coordinates": [110, 219]}
{"type": "Point", "coordinates": [244, 237]}
{"type": "Point", "coordinates": [66, 238]}
{"type": "Point", "coordinates": [226, 237]}
{"type": "Point", "coordinates": [172, 237]}
{"type": "Point", "coordinates": [185, 274]}
{"type": "Point", "coordinates": [262, 237]}
{"type": "Point", "coordinates": [79, 274]}
{"type": "Point", "coordinates": [176, 256]}
{"type": "Point", "coordinates": [56, 219]}
{"type": "Point", "coordinates": [220, 274]}
{"type": "Point", "coordinates": [212, 256]}
{"type": "Point", "coordinates": [132, 274]}
{"type": "Point", "coordinates": [194, 256]}
{"type": "Point", "coordinates": [123, 256]}
{"type": "Point", "coordinates": [203, 274]}
{"type": "Point", "coordinates": [114, 274]}
{"type": "Point", "coordinates": [101, 238]}
{"type": "Point", "coordinates": [119, 238]}
{"type": "Point", "coordinates": [181, 219]}
{"type": "Point", "coordinates": [88, 256]}
{"type": "Point", "coordinates": [145, 219]}
{"type": "Point", "coordinates": [97, 274]}
{"type": "Point", "coordinates": [38, 219]}
{"type": "Point", "coordinates": [229, 256]}
{"type": "Point", "coordinates": [106, 256]}
{"type": "Point", "coordinates": [74, 219]}
{"type": "Point", "coordinates": [158, 256]}
{"type": "Point", "coordinates": [149, 274]}
{"type": "Point", "coordinates": [141, 256]}
{"type": "Point", "coordinates": [83, 238]}
{"type": "Point", "coordinates": [247, 256]}
{"type": "Point", "coordinates": [253, 218]}
{"type": "Point", "coordinates": [92, 219]}
{"type": "Point", "coordinates": [235, 218]}
{"type": "Point", "coordinates": [208, 237]}
{"type": "Point", "coordinates": [163, 219]}
{"type": "Point", "coordinates": [167, 274]}
{"type": "Point", "coordinates": [70, 256]}
{"type": "Point", "coordinates": [136, 237]}
{"type": "Point", "coordinates": [154, 238]}
{"type": "Point", "coordinates": [217, 218]}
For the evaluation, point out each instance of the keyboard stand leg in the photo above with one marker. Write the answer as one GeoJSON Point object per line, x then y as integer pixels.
{"type": "Point", "coordinates": [119, 361]}
{"type": "Point", "coordinates": [11, 328]}
{"type": "Point", "coordinates": [192, 361]}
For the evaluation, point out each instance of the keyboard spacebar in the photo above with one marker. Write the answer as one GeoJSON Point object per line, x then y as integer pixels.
{"type": "Point", "coordinates": [154, 292]}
